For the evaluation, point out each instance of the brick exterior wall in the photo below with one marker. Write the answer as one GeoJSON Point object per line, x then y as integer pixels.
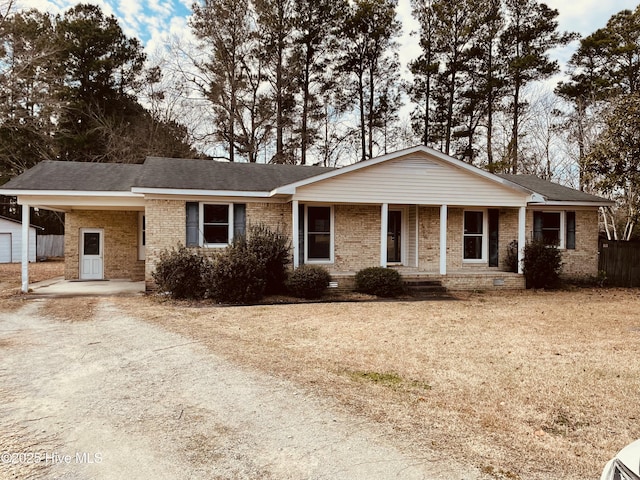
{"type": "Point", "coordinates": [583, 260]}
{"type": "Point", "coordinates": [357, 240]}
{"type": "Point", "coordinates": [166, 227]}
{"type": "Point", "coordinates": [277, 216]}
{"type": "Point", "coordinates": [357, 237]}
{"type": "Point", "coordinates": [120, 255]}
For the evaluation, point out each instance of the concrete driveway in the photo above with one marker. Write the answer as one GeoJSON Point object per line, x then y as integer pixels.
{"type": "Point", "coordinates": [115, 397]}
{"type": "Point", "coordinates": [59, 287]}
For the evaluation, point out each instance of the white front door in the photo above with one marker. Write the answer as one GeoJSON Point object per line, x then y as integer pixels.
{"type": "Point", "coordinates": [91, 254]}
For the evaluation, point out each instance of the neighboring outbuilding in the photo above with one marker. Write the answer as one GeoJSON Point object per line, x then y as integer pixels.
{"type": "Point", "coordinates": [11, 241]}
{"type": "Point", "coordinates": [417, 210]}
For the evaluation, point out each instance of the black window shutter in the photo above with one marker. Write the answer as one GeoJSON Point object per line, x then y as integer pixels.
{"type": "Point", "coordinates": [193, 239]}
{"type": "Point", "coordinates": [494, 221]}
{"type": "Point", "coordinates": [239, 220]}
{"type": "Point", "coordinates": [571, 230]}
{"type": "Point", "coordinates": [301, 238]}
{"type": "Point", "coordinates": [537, 226]}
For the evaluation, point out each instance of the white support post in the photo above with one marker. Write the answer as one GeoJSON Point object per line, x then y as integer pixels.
{"type": "Point", "coordinates": [384, 231]}
{"type": "Point", "coordinates": [443, 239]}
{"type": "Point", "coordinates": [25, 248]}
{"type": "Point", "coordinates": [417, 259]}
{"type": "Point", "coordinates": [295, 222]}
{"type": "Point", "coordinates": [522, 236]}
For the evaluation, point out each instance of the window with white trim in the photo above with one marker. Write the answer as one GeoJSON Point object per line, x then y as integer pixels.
{"type": "Point", "coordinates": [474, 241]}
{"type": "Point", "coordinates": [555, 228]}
{"type": "Point", "coordinates": [214, 224]}
{"type": "Point", "coordinates": [319, 234]}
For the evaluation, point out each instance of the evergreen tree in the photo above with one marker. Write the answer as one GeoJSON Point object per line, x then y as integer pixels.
{"type": "Point", "coordinates": [369, 53]}
{"type": "Point", "coordinates": [224, 29]}
{"type": "Point", "coordinates": [530, 35]}
{"type": "Point", "coordinates": [100, 70]}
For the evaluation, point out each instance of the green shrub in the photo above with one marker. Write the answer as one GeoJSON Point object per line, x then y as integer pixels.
{"type": "Point", "coordinates": [272, 251]}
{"type": "Point", "coordinates": [308, 281]}
{"type": "Point", "coordinates": [236, 275]}
{"type": "Point", "coordinates": [181, 273]}
{"type": "Point", "coordinates": [542, 265]}
{"type": "Point", "coordinates": [379, 281]}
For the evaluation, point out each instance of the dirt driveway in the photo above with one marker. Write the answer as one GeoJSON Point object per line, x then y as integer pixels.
{"type": "Point", "coordinates": [116, 397]}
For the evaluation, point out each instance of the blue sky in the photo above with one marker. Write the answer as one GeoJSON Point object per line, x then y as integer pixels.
{"type": "Point", "coordinates": [158, 22]}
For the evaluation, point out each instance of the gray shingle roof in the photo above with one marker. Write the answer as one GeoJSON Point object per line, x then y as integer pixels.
{"type": "Point", "coordinates": [157, 172]}
{"type": "Point", "coordinates": [183, 174]}
{"type": "Point", "coordinates": [553, 192]}
{"type": "Point", "coordinates": [77, 176]}
{"type": "Point", "coordinates": [211, 175]}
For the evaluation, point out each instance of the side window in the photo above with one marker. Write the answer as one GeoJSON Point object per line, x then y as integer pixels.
{"type": "Point", "coordinates": [473, 237]}
{"type": "Point", "coordinates": [546, 227]}
{"type": "Point", "coordinates": [214, 225]}
{"type": "Point", "coordinates": [555, 228]}
{"type": "Point", "coordinates": [319, 234]}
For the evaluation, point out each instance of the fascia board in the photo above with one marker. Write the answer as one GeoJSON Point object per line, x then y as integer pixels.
{"type": "Point", "coordinates": [67, 193]}
{"type": "Point", "coordinates": [557, 203]}
{"type": "Point", "coordinates": [198, 193]}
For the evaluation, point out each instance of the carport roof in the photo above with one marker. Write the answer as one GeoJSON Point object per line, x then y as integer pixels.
{"type": "Point", "coordinates": [77, 176]}
{"type": "Point", "coordinates": [160, 173]}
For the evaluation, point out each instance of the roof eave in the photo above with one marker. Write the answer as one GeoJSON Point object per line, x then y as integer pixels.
{"type": "Point", "coordinates": [68, 193]}
{"type": "Point", "coordinates": [199, 193]}
{"type": "Point", "coordinates": [560, 203]}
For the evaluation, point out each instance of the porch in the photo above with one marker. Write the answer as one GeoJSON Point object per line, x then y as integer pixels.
{"type": "Point", "coordinates": [456, 280]}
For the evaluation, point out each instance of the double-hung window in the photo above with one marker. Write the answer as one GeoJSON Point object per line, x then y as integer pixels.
{"type": "Point", "coordinates": [474, 236]}
{"type": "Point", "coordinates": [555, 228]}
{"type": "Point", "coordinates": [214, 224]}
{"type": "Point", "coordinates": [319, 234]}
{"type": "Point", "coordinates": [217, 224]}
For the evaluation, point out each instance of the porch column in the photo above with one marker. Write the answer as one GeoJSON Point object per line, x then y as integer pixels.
{"type": "Point", "coordinates": [384, 231]}
{"type": "Point", "coordinates": [522, 236]}
{"type": "Point", "coordinates": [443, 239]}
{"type": "Point", "coordinates": [295, 227]}
{"type": "Point", "coordinates": [25, 248]}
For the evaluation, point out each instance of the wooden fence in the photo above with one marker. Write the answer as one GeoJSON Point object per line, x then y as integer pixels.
{"type": "Point", "coordinates": [50, 246]}
{"type": "Point", "coordinates": [621, 262]}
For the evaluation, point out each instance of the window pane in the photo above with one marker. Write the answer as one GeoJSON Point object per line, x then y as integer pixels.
{"type": "Point", "coordinates": [551, 220]}
{"type": "Point", "coordinates": [216, 214]}
{"type": "Point", "coordinates": [548, 228]}
{"type": "Point", "coordinates": [319, 219]}
{"type": "Point", "coordinates": [551, 237]}
{"type": "Point", "coordinates": [92, 244]}
{"type": "Point", "coordinates": [473, 248]}
{"type": "Point", "coordinates": [216, 234]}
{"type": "Point", "coordinates": [319, 247]}
{"type": "Point", "coordinates": [473, 222]}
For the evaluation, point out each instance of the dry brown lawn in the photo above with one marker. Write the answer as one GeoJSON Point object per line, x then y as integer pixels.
{"type": "Point", "coordinates": [529, 385]}
{"type": "Point", "coordinates": [10, 279]}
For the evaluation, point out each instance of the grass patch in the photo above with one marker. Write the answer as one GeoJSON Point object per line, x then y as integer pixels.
{"type": "Point", "coordinates": [529, 385]}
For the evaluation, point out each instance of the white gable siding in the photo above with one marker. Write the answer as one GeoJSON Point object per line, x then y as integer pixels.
{"type": "Point", "coordinates": [414, 179]}
{"type": "Point", "coordinates": [15, 232]}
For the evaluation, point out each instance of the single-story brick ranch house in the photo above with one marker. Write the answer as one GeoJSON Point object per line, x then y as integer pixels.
{"type": "Point", "coordinates": [417, 210]}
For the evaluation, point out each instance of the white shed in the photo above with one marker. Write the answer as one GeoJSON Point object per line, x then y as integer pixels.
{"type": "Point", "coordinates": [11, 241]}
